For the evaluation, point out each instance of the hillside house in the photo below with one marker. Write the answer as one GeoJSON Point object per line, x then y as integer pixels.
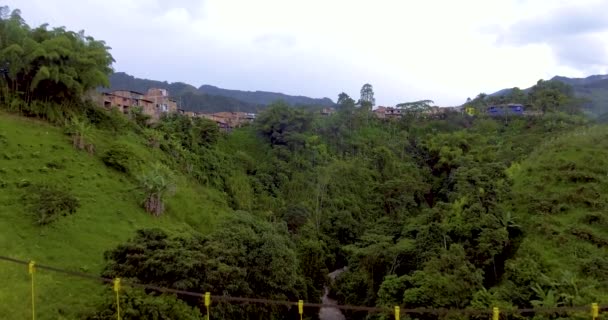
{"type": "Point", "coordinates": [162, 103]}
{"type": "Point", "coordinates": [229, 120]}
{"type": "Point", "coordinates": [328, 111]}
{"type": "Point", "coordinates": [154, 103]}
{"type": "Point", "coordinates": [126, 100]}
{"type": "Point", "coordinates": [388, 112]}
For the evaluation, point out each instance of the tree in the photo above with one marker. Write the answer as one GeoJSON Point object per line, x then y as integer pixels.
{"type": "Point", "coordinates": [345, 102]}
{"type": "Point", "coordinates": [284, 126]}
{"type": "Point", "coordinates": [367, 96]}
{"type": "Point", "coordinates": [42, 66]}
{"type": "Point", "coordinates": [136, 304]}
{"type": "Point", "coordinates": [448, 281]}
{"type": "Point", "coordinates": [244, 256]}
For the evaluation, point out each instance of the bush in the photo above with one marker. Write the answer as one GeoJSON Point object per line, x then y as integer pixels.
{"type": "Point", "coordinates": [136, 304]}
{"type": "Point", "coordinates": [111, 120]}
{"type": "Point", "coordinates": [48, 202]}
{"type": "Point", "coordinates": [121, 158]}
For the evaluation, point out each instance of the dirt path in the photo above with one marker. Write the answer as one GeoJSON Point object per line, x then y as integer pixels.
{"type": "Point", "coordinates": [329, 313]}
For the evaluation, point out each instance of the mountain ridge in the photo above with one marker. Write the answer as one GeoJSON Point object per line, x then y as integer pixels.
{"type": "Point", "coordinates": [594, 89]}
{"type": "Point", "coordinates": [209, 98]}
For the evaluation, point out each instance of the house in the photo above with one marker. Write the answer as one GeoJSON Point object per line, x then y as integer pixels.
{"type": "Point", "coordinates": [154, 103]}
{"type": "Point", "coordinates": [388, 112]}
{"type": "Point", "coordinates": [229, 120]}
{"type": "Point", "coordinates": [328, 111]}
{"type": "Point", "coordinates": [162, 103]}
{"type": "Point", "coordinates": [126, 100]}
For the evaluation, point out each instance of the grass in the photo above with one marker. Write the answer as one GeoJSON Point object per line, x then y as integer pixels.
{"type": "Point", "coordinates": [32, 151]}
{"type": "Point", "coordinates": [561, 198]}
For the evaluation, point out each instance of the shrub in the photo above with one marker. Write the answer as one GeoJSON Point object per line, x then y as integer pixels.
{"type": "Point", "coordinates": [156, 183]}
{"type": "Point", "coordinates": [121, 158]}
{"type": "Point", "coordinates": [78, 129]}
{"type": "Point", "coordinates": [111, 120]}
{"type": "Point", "coordinates": [136, 304]}
{"type": "Point", "coordinates": [48, 202]}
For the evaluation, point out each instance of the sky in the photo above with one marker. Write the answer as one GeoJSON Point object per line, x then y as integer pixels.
{"type": "Point", "coordinates": [409, 50]}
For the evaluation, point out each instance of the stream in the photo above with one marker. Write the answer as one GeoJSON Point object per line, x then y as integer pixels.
{"type": "Point", "coordinates": [329, 313]}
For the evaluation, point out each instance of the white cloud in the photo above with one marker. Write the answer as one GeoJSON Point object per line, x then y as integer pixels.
{"type": "Point", "coordinates": [442, 50]}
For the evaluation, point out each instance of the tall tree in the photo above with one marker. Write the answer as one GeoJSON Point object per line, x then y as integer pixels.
{"type": "Point", "coordinates": [367, 96]}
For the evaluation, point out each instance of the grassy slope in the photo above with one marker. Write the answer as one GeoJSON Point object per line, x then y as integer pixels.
{"type": "Point", "coordinates": [110, 212]}
{"type": "Point", "coordinates": [561, 184]}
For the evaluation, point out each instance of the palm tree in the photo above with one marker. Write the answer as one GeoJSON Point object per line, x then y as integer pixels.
{"type": "Point", "coordinates": [156, 184]}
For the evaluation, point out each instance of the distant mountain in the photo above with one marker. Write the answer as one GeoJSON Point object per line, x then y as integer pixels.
{"type": "Point", "coordinates": [594, 89]}
{"type": "Point", "coordinates": [209, 98]}
{"type": "Point", "coordinates": [264, 97]}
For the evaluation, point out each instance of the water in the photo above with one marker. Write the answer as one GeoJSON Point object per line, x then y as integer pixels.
{"type": "Point", "coordinates": [329, 313]}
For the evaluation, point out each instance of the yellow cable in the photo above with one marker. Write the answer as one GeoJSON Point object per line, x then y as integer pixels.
{"type": "Point", "coordinates": [32, 269]}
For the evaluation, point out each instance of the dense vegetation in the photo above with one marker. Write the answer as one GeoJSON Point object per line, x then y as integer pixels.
{"type": "Point", "coordinates": [592, 92]}
{"type": "Point", "coordinates": [443, 211]}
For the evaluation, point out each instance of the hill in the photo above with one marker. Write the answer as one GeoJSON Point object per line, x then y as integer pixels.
{"type": "Point", "coordinates": [212, 99]}
{"type": "Point", "coordinates": [264, 97]}
{"type": "Point", "coordinates": [34, 152]}
{"type": "Point", "coordinates": [593, 89]}
{"type": "Point", "coordinates": [560, 196]}
{"type": "Point", "coordinates": [188, 97]}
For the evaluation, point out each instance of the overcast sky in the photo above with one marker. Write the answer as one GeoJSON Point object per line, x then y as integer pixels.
{"type": "Point", "coordinates": [408, 50]}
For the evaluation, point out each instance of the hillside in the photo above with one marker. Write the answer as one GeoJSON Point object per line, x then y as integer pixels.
{"type": "Point", "coordinates": [188, 97]}
{"type": "Point", "coordinates": [33, 152]}
{"type": "Point", "coordinates": [264, 97]}
{"type": "Point", "coordinates": [560, 198]}
{"type": "Point", "coordinates": [212, 99]}
{"type": "Point", "coordinates": [593, 89]}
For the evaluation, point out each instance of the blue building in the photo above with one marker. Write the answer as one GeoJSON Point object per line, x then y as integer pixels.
{"type": "Point", "coordinates": [504, 110]}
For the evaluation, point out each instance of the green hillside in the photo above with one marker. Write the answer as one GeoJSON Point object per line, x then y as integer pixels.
{"type": "Point", "coordinates": [560, 199]}
{"type": "Point", "coordinates": [448, 210]}
{"type": "Point", "coordinates": [35, 152]}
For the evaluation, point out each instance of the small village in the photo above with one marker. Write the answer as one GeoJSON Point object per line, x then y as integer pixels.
{"type": "Point", "coordinates": [157, 102]}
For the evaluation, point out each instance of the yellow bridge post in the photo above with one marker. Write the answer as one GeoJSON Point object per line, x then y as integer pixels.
{"type": "Point", "coordinates": [595, 311]}
{"type": "Point", "coordinates": [495, 313]}
{"type": "Point", "coordinates": [397, 313]}
{"type": "Point", "coordinates": [301, 308]}
{"type": "Point", "coordinates": [117, 290]}
{"type": "Point", "coordinates": [208, 304]}
{"type": "Point", "coordinates": [31, 271]}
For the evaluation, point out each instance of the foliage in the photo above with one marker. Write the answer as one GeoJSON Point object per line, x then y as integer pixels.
{"type": "Point", "coordinates": [49, 202]}
{"type": "Point", "coordinates": [156, 183]}
{"type": "Point", "coordinates": [244, 256]}
{"type": "Point", "coordinates": [47, 70]}
{"type": "Point", "coordinates": [120, 157]}
{"type": "Point", "coordinates": [367, 96]}
{"type": "Point", "coordinates": [136, 304]}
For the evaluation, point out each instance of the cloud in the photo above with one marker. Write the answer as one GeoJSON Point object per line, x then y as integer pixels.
{"type": "Point", "coordinates": [408, 50]}
{"type": "Point", "coordinates": [281, 41]}
{"type": "Point", "coordinates": [576, 34]}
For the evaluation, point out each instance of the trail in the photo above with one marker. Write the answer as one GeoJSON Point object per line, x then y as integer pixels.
{"type": "Point", "coordinates": [329, 313]}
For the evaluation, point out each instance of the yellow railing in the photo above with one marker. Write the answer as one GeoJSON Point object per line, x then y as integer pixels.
{"type": "Point", "coordinates": [495, 314]}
